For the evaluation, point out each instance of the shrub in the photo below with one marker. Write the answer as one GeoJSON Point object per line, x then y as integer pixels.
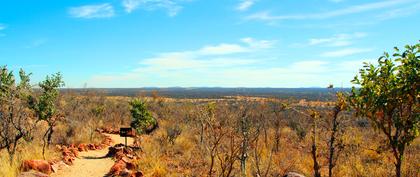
{"type": "Point", "coordinates": [142, 120]}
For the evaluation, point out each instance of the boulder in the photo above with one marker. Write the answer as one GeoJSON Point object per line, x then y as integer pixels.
{"type": "Point", "coordinates": [37, 165]}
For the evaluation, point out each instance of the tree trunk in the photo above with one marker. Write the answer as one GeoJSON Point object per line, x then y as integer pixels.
{"type": "Point", "coordinates": [331, 145]}
{"type": "Point", "coordinates": [277, 140]}
{"type": "Point", "coordinates": [314, 152]}
{"type": "Point", "coordinates": [211, 164]}
{"type": "Point", "coordinates": [50, 136]}
{"type": "Point", "coordinates": [398, 167]}
{"type": "Point", "coordinates": [399, 157]}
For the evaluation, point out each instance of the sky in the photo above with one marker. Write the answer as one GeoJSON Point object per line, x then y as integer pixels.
{"type": "Point", "coordinates": [202, 43]}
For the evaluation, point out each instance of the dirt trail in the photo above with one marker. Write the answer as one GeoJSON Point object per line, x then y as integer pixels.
{"type": "Point", "coordinates": [91, 163]}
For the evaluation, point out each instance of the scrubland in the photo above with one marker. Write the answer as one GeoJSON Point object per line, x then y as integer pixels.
{"type": "Point", "coordinates": [212, 137]}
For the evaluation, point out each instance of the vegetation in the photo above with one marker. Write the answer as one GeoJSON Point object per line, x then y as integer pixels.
{"type": "Point", "coordinates": [142, 120]}
{"type": "Point", "coordinates": [389, 96]}
{"type": "Point", "coordinates": [45, 106]}
{"type": "Point", "coordinates": [16, 122]}
{"type": "Point", "coordinates": [230, 136]}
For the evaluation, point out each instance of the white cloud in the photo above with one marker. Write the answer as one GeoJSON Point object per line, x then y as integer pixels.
{"type": "Point", "coordinates": [338, 40]}
{"type": "Point", "coordinates": [222, 49]}
{"type": "Point", "coordinates": [172, 7]}
{"type": "Point", "coordinates": [2, 26]}
{"type": "Point", "coordinates": [245, 5]}
{"type": "Point", "coordinates": [237, 73]}
{"type": "Point", "coordinates": [92, 11]}
{"type": "Point", "coordinates": [37, 43]}
{"type": "Point", "coordinates": [400, 12]}
{"type": "Point", "coordinates": [345, 52]}
{"type": "Point", "coordinates": [336, 1]}
{"type": "Point", "coordinates": [267, 16]}
{"type": "Point", "coordinates": [130, 5]}
{"type": "Point", "coordinates": [240, 64]}
{"type": "Point", "coordinates": [259, 44]}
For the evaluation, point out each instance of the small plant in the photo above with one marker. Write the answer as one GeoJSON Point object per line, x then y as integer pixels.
{"type": "Point", "coordinates": [142, 120]}
{"type": "Point", "coordinates": [172, 132]}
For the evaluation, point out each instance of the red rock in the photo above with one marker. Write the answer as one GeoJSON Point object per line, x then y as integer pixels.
{"type": "Point", "coordinates": [117, 168]}
{"type": "Point", "coordinates": [82, 147]}
{"type": "Point", "coordinates": [91, 147]}
{"type": "Point", "coordinates": [37, 165]}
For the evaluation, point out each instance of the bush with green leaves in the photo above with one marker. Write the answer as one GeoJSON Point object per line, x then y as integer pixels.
{"type": "Point", "coordinates": [45, 105]}
{"type": "Point", "coordinates": [389, 97]}
{"type": "Point", "coordinates": [16, 121]}
{"type": "Point", "coordinates": [142, 120]}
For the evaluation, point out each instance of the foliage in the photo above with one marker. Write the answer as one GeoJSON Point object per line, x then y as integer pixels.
{"type": "Point", "coordinates": [15, 123]}
{"type": "Point", "coordinates": [142, 119]}
{"type": "Point", "coordinates": [45, 105]}
{"type": "Point", "coordinates": [389, 97]}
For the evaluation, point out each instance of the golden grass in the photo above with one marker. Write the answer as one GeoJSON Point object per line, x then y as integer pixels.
{"type": "Point", "coordinates": [26, 151]}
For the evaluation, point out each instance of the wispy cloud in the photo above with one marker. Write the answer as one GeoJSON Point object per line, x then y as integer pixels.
{"type": "Point", "coordinates": [237, 73]}
{"type": "Point", "coordinates": [338, 40]}
{"type": "Point", "coordinates": [172, 7]}
{"type": "Point", "coordinates": [400, 12]}
{"type": "Point", "coordinates": [105, 10]}
{"type": "Point", "coordinates": [37, 43]}
{"type": "Point", "coordinates": [130, 5]}
{"type": "Point", "coordinates": [192, 62]}
{"type": "Point", "coordinates": [267, 16]}
{"type": "Point", "coordinates": [230, 65]}
{"type": "Point", "coordinates": [245, 5]}
{"type": "Point", "coordinates": [2, 26]}
{"type": "Point", "coordinates": [345, 52]}
{"type": "Point", "coordinates": [336, 1]}
{"type": "Point", "coordinates": [29, 66]}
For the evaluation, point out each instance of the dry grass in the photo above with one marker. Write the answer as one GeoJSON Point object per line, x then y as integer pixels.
{"type": "Point", "coordinates": [25, 152]}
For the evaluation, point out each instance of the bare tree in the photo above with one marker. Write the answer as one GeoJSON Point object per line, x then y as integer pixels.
{"type": "Point", "coordinates": [335, 145]}
{"type": "Point", "coordinates": [315, 116]}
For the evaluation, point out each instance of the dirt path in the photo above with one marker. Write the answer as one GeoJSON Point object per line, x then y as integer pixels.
{"type": "Point", "coordinates": [91, 163]}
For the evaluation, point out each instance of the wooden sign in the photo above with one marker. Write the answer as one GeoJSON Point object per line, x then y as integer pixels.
{"type": "Point", "coordinates": [125, 132]}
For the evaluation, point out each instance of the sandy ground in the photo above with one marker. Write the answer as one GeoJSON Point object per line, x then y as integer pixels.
{"type": "Point", "coordinates": [91, 163]}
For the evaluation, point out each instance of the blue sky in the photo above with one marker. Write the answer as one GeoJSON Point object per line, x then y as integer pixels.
{"type": "Point", "coordinates": [194, 43]}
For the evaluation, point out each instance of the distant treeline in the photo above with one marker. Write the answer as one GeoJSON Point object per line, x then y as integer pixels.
{"type": "Point", "coordinates": [214, 92]}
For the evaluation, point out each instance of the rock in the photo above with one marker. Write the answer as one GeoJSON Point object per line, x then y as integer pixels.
{"type": "Point", "coordinates": [33, 174]}
{"type": "Point", "coordinates": [293, 174]}
{"type": "Point", "coordinates": [37, 165]}
{"type": "Point", "coordinates": [117, 168]}
{"type": "Point", "coordinates": [58, 166]}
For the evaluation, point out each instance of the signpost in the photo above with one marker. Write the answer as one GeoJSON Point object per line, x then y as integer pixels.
{"type": "Point", "coordinates": [125, 132]}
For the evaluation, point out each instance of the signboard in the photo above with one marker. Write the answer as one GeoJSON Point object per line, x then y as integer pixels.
{"type": "Point", "coordinates": [125, 132]}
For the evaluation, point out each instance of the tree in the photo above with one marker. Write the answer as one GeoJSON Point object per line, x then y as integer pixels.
{"type": "Point", "coordinates": [335, 145]}
{"type": "Point", "coordinates": [142, 119]}
{"type": "Point", "coordinates": [45, 105]}
{"type": "Point", "coordinates": [15, 120]}
{"type": "Point", "coordinates": [389, 97]}
{"type": "Point", "coordinates": [315, 117]}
